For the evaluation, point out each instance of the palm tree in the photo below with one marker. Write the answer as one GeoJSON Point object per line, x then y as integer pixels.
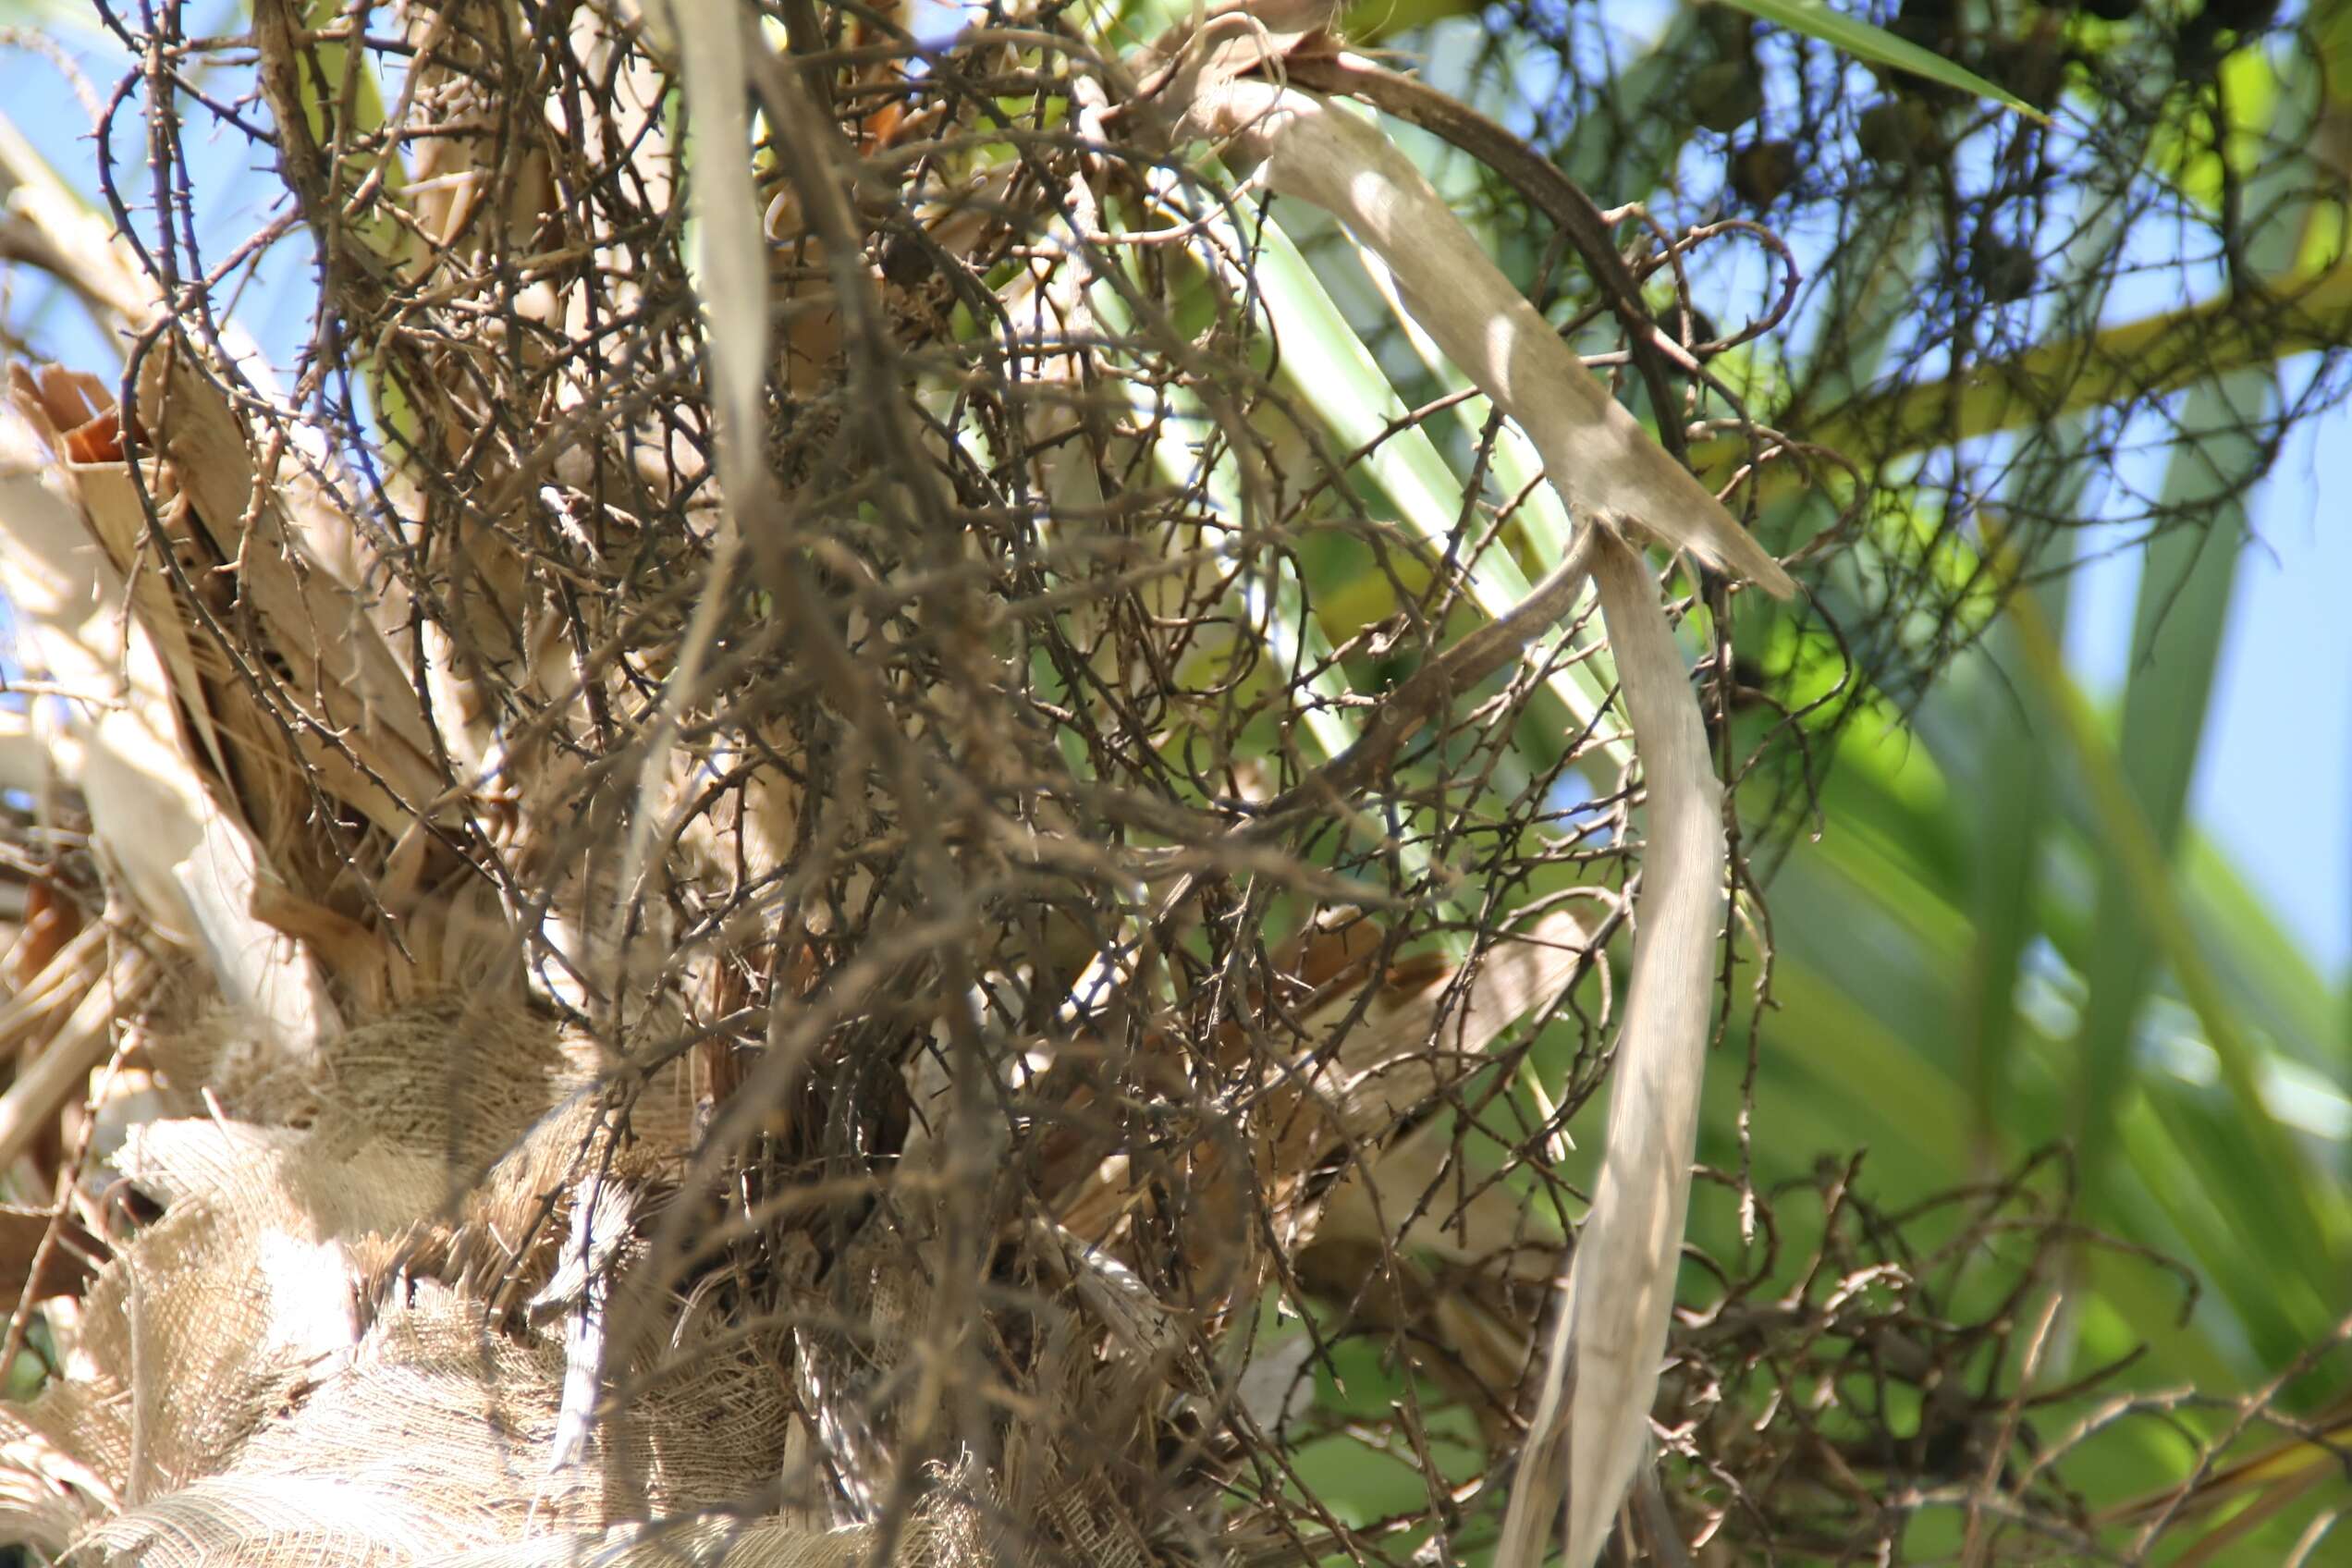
{"type": "Point", "coordinates": [866, 821]}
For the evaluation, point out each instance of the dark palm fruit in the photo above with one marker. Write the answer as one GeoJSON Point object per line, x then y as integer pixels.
{"type": "Point", "coordinates": [2003, 268]}
{"type": "Point", "coordinates": [1686, 324]}
{"type": "Point", "coordinates": [2241, 15]}
{"type": "Point", "coordinates": [1921, 12]}
{"type": "Point", "coordinates": [1729, 31]}
{"type": "Point", "coordinates": [2033, 68]}
{"type": "Point", "coordinates": [1761, 171]}
{"type": "Point", "coordinates": [1726, 95]}
{"type": "Point", "coordinates": [1927, 23]}
{"type": "Point", "coordinates": [1897, 132]}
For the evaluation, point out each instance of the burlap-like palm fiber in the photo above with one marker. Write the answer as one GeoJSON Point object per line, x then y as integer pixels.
{"type": "Point", "coordinates": [323, 1411]}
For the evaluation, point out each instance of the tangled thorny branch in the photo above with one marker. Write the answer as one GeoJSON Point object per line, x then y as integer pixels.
{"type": "Point", "coordinates": [798, 929]}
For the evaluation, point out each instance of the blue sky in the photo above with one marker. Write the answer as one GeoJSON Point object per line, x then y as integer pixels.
{"type": "Point", "coordinates": [2275, 777]}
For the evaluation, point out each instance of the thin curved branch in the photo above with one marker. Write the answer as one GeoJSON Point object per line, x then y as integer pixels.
{"type": "Point", "coordinates": [1604, 464]}
{"type": "Point", "coordinates": [1602, 1373]}
{"type": "Point", "coordinates": [1462, 664]}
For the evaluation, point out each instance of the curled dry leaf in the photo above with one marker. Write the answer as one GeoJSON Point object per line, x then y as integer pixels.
{"type": "Point", "coordinates": [1615, 479]}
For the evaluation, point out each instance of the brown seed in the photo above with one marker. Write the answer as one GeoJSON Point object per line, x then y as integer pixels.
{"type": "Point", "coordinates": [1898, 132]}
{"type": "Point", "coordinates": [1761, 170]}
{"type": "Point", "coordinates": [1726, 95]}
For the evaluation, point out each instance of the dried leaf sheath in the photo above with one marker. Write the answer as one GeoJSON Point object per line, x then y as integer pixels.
{"type": "Point", "coordinates": [1604, 464]}
{"type": "Point", "coordinates": [1603, 1368]}
{"type": "Point", "coordinates": [1591, 1427]}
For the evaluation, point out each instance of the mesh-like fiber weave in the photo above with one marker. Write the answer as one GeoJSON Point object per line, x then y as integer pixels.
{"type": "Point", "coordinates": [306, 1358]}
